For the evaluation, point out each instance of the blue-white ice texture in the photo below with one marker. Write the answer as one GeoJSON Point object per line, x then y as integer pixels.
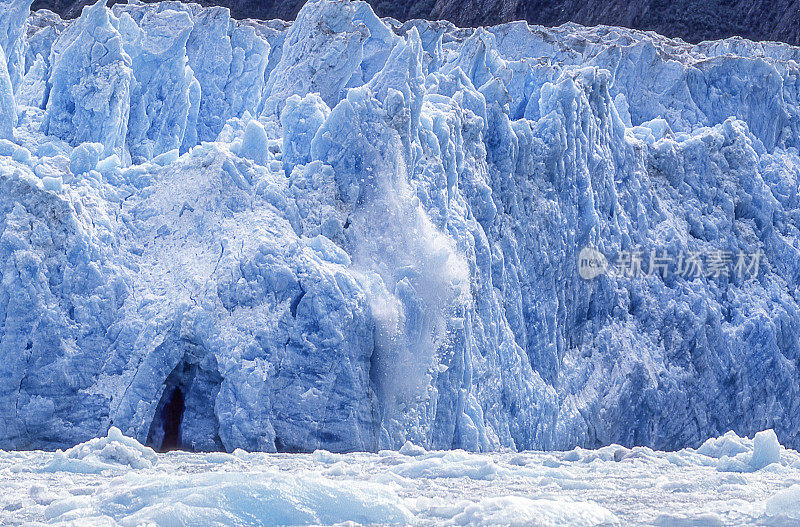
{"type": "Point", "coordinates": [346, 233]}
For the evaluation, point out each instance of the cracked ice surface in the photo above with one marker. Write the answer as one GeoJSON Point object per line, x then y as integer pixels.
{"type": "Point", "coordinates": [345, 233]}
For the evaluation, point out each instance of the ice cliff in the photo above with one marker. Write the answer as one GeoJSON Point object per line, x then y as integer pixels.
{"type": "Point", "coordinates": [348, 233]}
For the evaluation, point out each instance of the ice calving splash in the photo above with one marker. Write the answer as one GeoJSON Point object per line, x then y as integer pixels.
{"type": "Point", "coordinates": [346, 233]}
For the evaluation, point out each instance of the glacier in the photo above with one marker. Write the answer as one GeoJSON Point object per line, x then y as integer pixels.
{"type": "Point", "coordinates": [346, 233]}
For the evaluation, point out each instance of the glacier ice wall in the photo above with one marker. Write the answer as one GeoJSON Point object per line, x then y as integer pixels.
{"type": "Point", "coordinates": [346, 233]}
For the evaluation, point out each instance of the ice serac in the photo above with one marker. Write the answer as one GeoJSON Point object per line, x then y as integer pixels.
{"type": "Point", "coordinates": [228, 60]}
{"type": "Point", "coordinates": [160, 98]}
{"type": "Point", "coordinates": [346, 233]}
{"type": "Point", "coordinates": [329, 48]}
{"type": "Point", "coordinates": [13, 23]}
{"type": "Point", "coordinates": [89, 87]}
{"type": "Point", "coordinates": [8, 107]}
{"type": "Point", "coordinates": [300, 120]}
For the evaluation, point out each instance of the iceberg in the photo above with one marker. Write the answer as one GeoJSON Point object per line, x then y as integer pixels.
{"type": "Point", "coordinates": [348, 234]}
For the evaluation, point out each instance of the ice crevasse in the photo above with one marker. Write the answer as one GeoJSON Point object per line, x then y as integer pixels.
{"type": "Point", "coordinates": [348, 233]}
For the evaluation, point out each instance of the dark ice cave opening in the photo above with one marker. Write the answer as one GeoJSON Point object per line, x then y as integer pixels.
{"type": "Point", "coordinates": [171, 417]}
{"type": "Point", "coordinates": [184, 418]}
{"type": "Point", "coordinates": [165, 432]}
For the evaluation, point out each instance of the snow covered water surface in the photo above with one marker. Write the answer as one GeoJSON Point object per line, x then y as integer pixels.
{"type": "Point", "coordinates": [116, 481]}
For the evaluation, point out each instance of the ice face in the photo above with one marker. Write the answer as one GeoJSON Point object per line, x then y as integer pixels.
{"type": "Point", "coordinates": [333, 234]}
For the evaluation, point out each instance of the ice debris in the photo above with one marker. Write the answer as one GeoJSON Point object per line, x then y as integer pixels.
{"type": "Point", "coordinates": [113, 452]}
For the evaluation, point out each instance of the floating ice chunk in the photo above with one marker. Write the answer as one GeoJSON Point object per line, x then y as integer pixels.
{"type": "Point", "coordinates": [740, 454]}
{"type": "Point", "coordinates": [410, 449]}
{"type": "Point", "coordinates": [729, 445]}
{"type": "Point", "coordinates": [456, 464]}
{"type": "Point", "coordinates": [324, 456]}
{"type": "Point", "coordinates": [85, 157]}
{"type": "Point", "coordinates": [519, 511]}
{"type": "Point", "coordinates": [90, 84]}
{"type": "Point", "coordinates": [220, 457]}
{"type": "Point", "coordinates": [254, 143]}
{"type": "Point", "coordinates": [766, 449]}
{"type": "Point", "coordinates": [785, 503]}
{"type": "Point", "coordinates": [114, 451]}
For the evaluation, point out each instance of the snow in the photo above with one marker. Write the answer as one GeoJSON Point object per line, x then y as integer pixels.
{"type": "Point", "coordinates": [116, 481]}
{"type": "Point", "coordinates": [346, 234]}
